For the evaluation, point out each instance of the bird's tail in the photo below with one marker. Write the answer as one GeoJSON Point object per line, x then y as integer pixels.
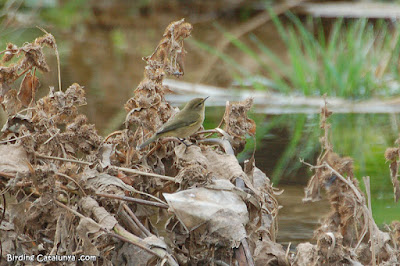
{"type": "Point", "coordinates": [147, 142]}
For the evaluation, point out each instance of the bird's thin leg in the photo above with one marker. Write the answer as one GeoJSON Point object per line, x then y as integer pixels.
{"type": "Point", "coordinates": [183, 141]}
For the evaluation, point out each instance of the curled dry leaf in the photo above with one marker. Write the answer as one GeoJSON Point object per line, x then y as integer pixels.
{"type": "Point", "coordinates": [104, 183]}
{"type": "Point", "coordinates": [28, 88]}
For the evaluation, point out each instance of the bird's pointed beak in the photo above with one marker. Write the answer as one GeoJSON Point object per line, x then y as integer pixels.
{"type": "Point", "coordinates": [206, 98]}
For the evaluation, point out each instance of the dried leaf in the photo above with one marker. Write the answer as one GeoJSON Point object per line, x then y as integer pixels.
{"type": "Point", "coordinates": [223, 211]}
{"type": "Point", "coordinates": [11, 50]}
{"type": "Point", "coordinates": [28, 88]}
{"type": "Point", "coordinates": [13, 159]}
{"type": "Point", "coordinates": [101, 215]}
{"type": "Point", "coordinates": [223, 165]}
{"type": "Point", "coordinates": [104, 183]}
{"type": "Point", "coordinates": [306, 254]}
{"type": "Point", "coordinates": [10, 103]}
{"type": "Point", "coordinates": [268, 252]}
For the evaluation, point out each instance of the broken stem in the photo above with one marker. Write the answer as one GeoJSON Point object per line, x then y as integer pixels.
{"type": "Point", "coordinates": [356, 192]}
{"type": "Point", "coordinates": [325, 164]}
{"type": "Point", "coordinates": [17, 138]}
{"type": "Point", "coordinates": [140, 201]}
{"type": "Point", "coordinates": [73, 180]}
{"type": "Point", "coordinates": [130, 239]}
{"type": "Point", "coordinates": [61, 159]}
{"type": "Point", "coordinates": [136, 220]}
{"type": "Point", "coordinates": [247, 252]}
{"type": "Point", "coordinates": [121, 234]}
{"type": "Point", "coordinates": [134, 171]}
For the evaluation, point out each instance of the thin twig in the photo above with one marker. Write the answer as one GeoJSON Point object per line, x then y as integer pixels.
{"type": "Point", "coordinates": [212, 131]}
{"type": "Point", "coordinates": [129, 221]}
{"type": "Point", "coordinates": [135, 243]}
{"type": "Point", "coordinates": [149, 195]}
{"type": "Point", "coordinates": [140, 201]}
{"type": "Point", "coordinates": [348, 182]}
{"type": "Point", "coordinates": [370, 218]}
{"type": "Point", "coordinates": [57, 55]}
{"type": "Point", "coordinates": [113, 134]}
{"type": "Point", "coordinates": [16, 138]}
{"type": "Point", "coordinates": [287, 253]}
{"type": "Point", "coordinates": [356, 192]}
{"type": "Point", "coordinates": [128, 170]}
{"type": "Point", "coordinates": [134, 171]}
{"type": "Point", "coordinates": [23, 72]}
{"type": "Point", "coordinates": [3, 214]}
{"type": "Point", "coordinates": [247, 252]}
{"type": "Point", "coordinates": [7, 175]}
{"type": "Point", "coordinates": [62, 159]}
{"type": "Point", "coordinates": [52, 136]}
{"type": "Point", "coordinates": [136, 220]}
{"type": "Point", "coordinates": [73, 180]}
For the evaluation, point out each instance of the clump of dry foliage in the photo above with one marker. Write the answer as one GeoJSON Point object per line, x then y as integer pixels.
{"type": "Point", "coordinates": [393, 156]}
{"type": "Point", "coordinates": [348, 235]}
{"type": "Point", "coordinates": [67, 190]}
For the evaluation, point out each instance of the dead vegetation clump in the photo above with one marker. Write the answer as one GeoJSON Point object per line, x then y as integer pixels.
{"type": "Point", "coordinates": [392, 155]}
{"type": "Point", "coordinates": [66, 190]}
{"type": "Point", "coordinates": [349, 235]}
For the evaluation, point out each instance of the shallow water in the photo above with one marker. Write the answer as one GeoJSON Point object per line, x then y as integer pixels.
{"type": "Point", "coordinates": [298, 220]}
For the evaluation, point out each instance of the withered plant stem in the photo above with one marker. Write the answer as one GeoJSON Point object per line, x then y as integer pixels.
{"type": "Point", "coordinates": [163, 254]}
{"type": "Point", "coordinates": [57, 56]}
{"type": "Point", "coordinates": [126, 239]}
{"type": "Point", "coordinates": [325, 164]}
{"type": "Point", "coordinates": [107, 231]}
{"type": "Point", "coordinates": [359, 197]}
{"type": "Point", "coordinates": [131, 199]}
{"type": "Point", "coordinates": [247, 252]}
{"type": "Point", "coordinates": [136, 220]}
{"type": "Point", "coordinates": [371, 228]}
{"type": "Point", "coordinates": [7, 175]}
{"type": "Point", "coordinates": [73, 180]}
{"type": "Point", "coordinates": [61, 159]}
{"type": "Point", "coordinates": [23, 72]}
{"type": "Point", "coordinates": [128, 170]}
{"type": "Point", "coordinates": [134, 171]}
{"type": "Point", "coordinates": [131, 223]}
{"type": "Point", "coordinates": [17, 138]}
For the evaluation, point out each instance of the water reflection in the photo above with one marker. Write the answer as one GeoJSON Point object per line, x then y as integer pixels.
{"type": "Point", "coordinates": [298, 220]}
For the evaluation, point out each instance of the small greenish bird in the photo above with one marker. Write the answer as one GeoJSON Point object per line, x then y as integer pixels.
{"type": "Point", "coordinates": [183, 124]}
